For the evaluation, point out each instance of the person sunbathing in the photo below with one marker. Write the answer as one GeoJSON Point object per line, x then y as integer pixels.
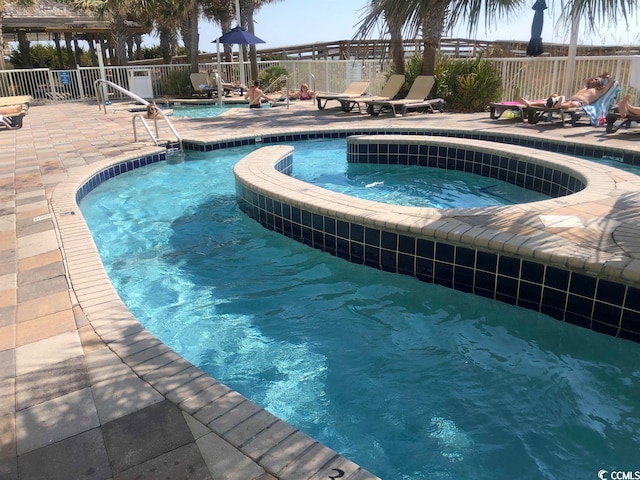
{"type": "Point", "coordinates": [625, 108]}
{"type": "Point", "coordinates": [13, 109]}
{"type": "Point", "coordinates": [592, 90]}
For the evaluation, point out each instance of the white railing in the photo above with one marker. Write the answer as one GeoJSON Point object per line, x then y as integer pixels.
{"type": "Point", "coordinates": [103, 101]}
{"type": "Point", "coordinates": [528, 77]}
{"type": "Point", "coordinates": [540, 77]}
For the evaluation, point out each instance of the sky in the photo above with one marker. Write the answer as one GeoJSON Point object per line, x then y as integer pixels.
{"type": "Point", "coordinates": [293, 22]}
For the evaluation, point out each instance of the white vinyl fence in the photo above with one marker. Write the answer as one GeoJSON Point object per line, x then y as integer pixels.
{"type": "Point", "coordinates": [528, 77]}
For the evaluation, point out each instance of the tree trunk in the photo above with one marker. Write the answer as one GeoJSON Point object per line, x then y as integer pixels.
{"type": "Point", "coordinates": [129, 45]}
{"type": "Point", "coordinates": [191, 38]}
{"type": "Point", "coordinates": [228, 49]}
{"type": "Point", "coordinates": [56, 40]}
{"type": "Point", "coordinates": [119, 36]}
{"type": "Point", "coordinates": [138, 42]}
{"type": "Point", "coordinates": [91, 39]}
{"type": "Point", "coordinates": [195, 39]}
{"type": "Point", "coordinates": [78, 51]}
{"type": "Point", "coordinates": [167, 44]}
{"type": "Point", "coordinates": [396, 47]}
{"type": "Point", "coordinates": [431, 35]}
{"type": "Point", "coordinates": [24, 49]}
{"type": "Point", "coordinates": [251, 28]}
{"type": "Point", "coordinates": [2, 65]}
{"type": "Point", "coordinates": [185, 30]}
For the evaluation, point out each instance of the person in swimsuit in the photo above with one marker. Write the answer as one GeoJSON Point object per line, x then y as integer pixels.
{"type": "Point", "coordinates": [303, 94]}
{"type": "Point", "coordinates": [591, 90]}
{"type": "Point", "coordinates": [152, 111]}
{"type": "Point", "coordinates": [255, 96]}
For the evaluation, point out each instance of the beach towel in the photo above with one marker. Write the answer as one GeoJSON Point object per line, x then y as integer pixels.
{"type": "Point", "coordinates": [597, 111]}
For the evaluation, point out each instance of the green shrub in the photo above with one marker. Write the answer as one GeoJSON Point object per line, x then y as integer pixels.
{"type": "Point", "coordinates": [270, 80]}
{"type": "Point", "coordinates": [179, 84]}
{"type": "Point", "coordinates": [45, 56]}
{"type": "Point", "coordinates": [467, 85]}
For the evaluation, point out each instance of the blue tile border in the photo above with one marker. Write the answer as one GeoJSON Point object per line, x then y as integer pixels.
{"type": "Point", "coordinates": [624, 156]}
{"type": "Point", "coordinates": [568, 295]}
{"type": "Point", "coordinates": [521, 172]}
{"type": "Point", "coordinates": [115, 170]}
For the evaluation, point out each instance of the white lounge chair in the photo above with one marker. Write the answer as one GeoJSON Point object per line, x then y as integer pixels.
{"type": "Point", "coordinates": [355, 89]}
{"type": "Point", "coordinates": [389, 92]}
{"type": "Point", "coordinates": [416, 99]}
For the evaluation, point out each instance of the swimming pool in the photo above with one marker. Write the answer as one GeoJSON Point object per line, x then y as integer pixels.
{"type": "Point", "coordinates": [458, 393]}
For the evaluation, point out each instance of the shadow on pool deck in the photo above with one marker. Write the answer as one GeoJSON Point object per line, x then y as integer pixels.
{"type": "Point", "coordinates": [85, 391]}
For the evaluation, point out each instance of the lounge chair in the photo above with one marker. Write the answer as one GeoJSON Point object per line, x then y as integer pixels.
{"type": "Point", "coordinates": [202, 85]}
{"type": "Point", "coordinates": [497, 109]}
{"type": "Point", "coordinates": [13, 121]}
{"type": "Point", "coordinates": [596, 111]}
{"type": "Point", "coordinates": [15, 100]}
{"type": "Point", "coordinates": [615, 122]}
{"type": "Point", "coordinates": [354, 90]}
{"type": "Point", "coordinates": [389, 92]}
{"type": "Point", "coordinates": [416, 99]}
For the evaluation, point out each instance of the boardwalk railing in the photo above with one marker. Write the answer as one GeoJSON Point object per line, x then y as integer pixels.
{"type": "Point", "coordinates": [528, 77]}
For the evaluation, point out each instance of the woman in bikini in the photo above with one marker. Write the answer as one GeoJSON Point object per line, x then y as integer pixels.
{"type": "Point", "coordinates": [303, 94]}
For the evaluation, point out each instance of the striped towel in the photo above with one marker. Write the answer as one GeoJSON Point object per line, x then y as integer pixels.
{"type": "Point", "coordinates": [597, 111]}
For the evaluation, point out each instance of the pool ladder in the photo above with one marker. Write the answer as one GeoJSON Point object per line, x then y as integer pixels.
{"type": "Point", "coordinates": [102, 92]}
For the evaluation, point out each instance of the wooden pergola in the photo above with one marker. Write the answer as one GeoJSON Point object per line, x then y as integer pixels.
{"type": "Point", "coordinates": [52, 21]}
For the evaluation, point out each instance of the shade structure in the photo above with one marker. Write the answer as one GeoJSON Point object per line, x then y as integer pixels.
{"type": "Point", "coordinates": [535, 44]}
{"type": "Point", "coordinates": [239, 36]}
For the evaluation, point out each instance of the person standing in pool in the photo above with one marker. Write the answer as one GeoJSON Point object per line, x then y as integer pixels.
{"type": "Point", "coordinates": [255, 95]}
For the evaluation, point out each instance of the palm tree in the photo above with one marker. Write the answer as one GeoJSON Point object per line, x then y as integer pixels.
{"type": "Point", "coordinates": [3, 5]}
{"type": "Point", "coordinates": [433, 17]}
{"type": "Point", "coordinates": [119, 13]}
{"type": "Point", "coordinates": [247, 11]}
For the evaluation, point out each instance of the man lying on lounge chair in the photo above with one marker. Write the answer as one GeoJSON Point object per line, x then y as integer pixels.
{"type": "Point", "coordinates": [591, 90]}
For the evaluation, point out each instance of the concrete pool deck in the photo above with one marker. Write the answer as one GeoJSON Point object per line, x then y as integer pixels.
{"type": "Point", "coordinates": [85, 391]}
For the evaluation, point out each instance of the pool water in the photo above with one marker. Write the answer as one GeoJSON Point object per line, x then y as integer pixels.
{"type": "Point", "coordinates": [408, 185]}
{"type": "Point", "coordinates": [409, 380]}
{"type": "Point", "coordinates": [206, 111]}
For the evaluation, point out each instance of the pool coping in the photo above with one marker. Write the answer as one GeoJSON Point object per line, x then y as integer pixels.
{"type": "Point", "coordinates": [173, 377]}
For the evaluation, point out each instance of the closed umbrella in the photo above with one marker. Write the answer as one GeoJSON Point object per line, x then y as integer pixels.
{"type": "Point", "coordinates": [535, 44]}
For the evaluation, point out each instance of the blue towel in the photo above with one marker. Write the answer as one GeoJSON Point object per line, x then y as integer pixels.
{"type": "Point", "coordinates": [597, 111]}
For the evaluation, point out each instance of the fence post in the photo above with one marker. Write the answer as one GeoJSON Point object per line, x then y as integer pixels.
{"type": "Point", "coordinates": [80, 85]}
{"type": "Point", "coordinates": [52, 86]}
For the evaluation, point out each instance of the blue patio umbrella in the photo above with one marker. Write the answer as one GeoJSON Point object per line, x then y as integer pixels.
{"type": "Point", "coordinates": [535, 44]}
{"type": "Point", "coordinates": [239, 36]}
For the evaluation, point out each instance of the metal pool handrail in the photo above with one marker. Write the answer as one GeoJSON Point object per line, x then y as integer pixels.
{"type": "Point", "coordinates": [103, 103]}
